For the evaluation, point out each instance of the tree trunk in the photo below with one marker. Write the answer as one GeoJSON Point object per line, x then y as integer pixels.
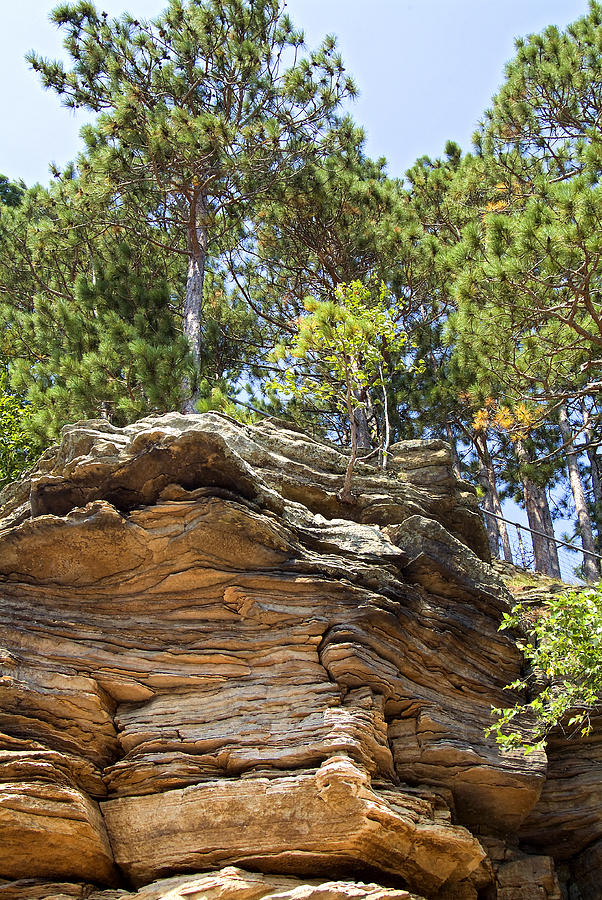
{"type": "Point", "coordinates": [496, 527]}
{"type": "Point", "coordinates": [491, 523]}
{"type": "Point", "coordinates": [386, 438]}
{"type": "Point", "coordinates": [521, 546]}
{"type": "Point", "coordinates": [364, 440]}
{"type": "Point", "coordinates": [451, 439]}
{"type": "Point", "coordinates": [591, 570]}
{"type": "Point", "coordinates": [193, 302]}
{"type": "Point", "coordinates": [360, 417]}
{"type": "Point", "coordinates": [594, 465]}
{"type": "Point", "coordinates": [540, 520]}
{"type": "Point", "coordinates": [345, 494]}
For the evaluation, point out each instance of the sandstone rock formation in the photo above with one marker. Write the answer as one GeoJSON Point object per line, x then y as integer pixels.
{"type": "Point", "coordinates": [217, 680]}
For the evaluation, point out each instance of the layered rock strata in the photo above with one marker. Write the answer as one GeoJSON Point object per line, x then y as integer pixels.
{"type": "Point", "coordinates": [219, 680]}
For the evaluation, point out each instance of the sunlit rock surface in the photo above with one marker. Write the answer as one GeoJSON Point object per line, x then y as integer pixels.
{"type": "Point", "coordinates": [218, 680]}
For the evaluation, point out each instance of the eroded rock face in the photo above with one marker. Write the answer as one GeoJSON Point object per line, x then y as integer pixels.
{"type": "Point", "coordinates": [207, 661]}
{"type": "Point", "coordinates": [225, 884]}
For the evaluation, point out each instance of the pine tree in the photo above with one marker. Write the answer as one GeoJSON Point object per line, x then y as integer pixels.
{"type": "Point", "coordinates": [10, 192]}
{"type": "Point", "coordinates": [110, 351]}
{"type": "Point", "coordinates": [531, 264]}
{"type": "Point", "coordinates": [528, 289]}
{"type": "Point", "coordinates": [89, 322]}
{"type": "Point", "coordinates": [422, 278]}
{"type": "Point", "coordinates": [591, 568]}
{"type": "Point", "coordinates": [16, 447]}
{"type": "Point", "coordinates": [590, 419]}
{"type": "Point", "coordinates": [546, 116]}
{"type": "Point", "coordinates": [200, 112]}
{"type": "Point", "coordinates": [339, 219]}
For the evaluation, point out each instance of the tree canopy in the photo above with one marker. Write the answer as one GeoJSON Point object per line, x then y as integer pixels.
{"type": "Point", "coordinates": [200, 111]}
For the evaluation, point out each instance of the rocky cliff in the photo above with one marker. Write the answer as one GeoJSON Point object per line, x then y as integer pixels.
{"type": "Point", "coordinates": [219, 681]}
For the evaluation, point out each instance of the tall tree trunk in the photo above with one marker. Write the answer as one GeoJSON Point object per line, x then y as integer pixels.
{"type": "Point", "coordinates": [451, 439]}
{"type": "Point", "coordinates": [521, 546]}
{"type": "Point", "coordinates": [193, 302]}
{"type": "Point", "coordinates": [496, 528]}
{"type": "Point", "coordinates": [540, 520]}
{"type": "Point", "coordinates": [386, 437]}
{"type": "Point", "coordinates": [491, 523]}
{"type": "Point", "coordinates": [364, 438]}
{"type": "Point", "coordinates": [594, 465]}
{"type": "Point", "coordinates": [345, 494]}
{"type": "Point", "coordinates": [591, 570]}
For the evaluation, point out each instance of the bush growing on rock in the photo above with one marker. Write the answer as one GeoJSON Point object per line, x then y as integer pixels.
{"type": "Point", "coordinates": [562, 643]}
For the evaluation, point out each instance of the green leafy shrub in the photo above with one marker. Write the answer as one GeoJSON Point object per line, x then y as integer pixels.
{"type": "Point", "coordinates": [563, 650]}
{"type": "Point", "coordinates": [17, 448]}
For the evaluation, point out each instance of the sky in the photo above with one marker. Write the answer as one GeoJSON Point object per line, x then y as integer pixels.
{"type": "Point", "coordinates": [426, 70]}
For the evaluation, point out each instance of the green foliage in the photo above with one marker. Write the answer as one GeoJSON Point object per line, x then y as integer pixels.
{"type": "Point", "coordinates": [437, 208]}
{"type": "Point", "coordinates": [340, 347]}
{"type": "Point", "coordinates": [17, 449]}
{"type": "Point", "coordinates": [337, 219]}
{"type": "Point", "coordinates": [340, 350]}
{"type": "Point", "coordinates": [10, 193]}
{"type": "Point", "coordinates": [534, 267]}
{"type": "Point", "coordinates": [111, 350]}
{"type": "Point", "coordinates": [529, 263]}
{"type": "Point", "coordinates": [562, 645]}
{"type": "Point", "coordinates": [89, 322]}
{"type": "Point", "coordinates": [201, 112]}
{"type": "Point", "coordinates": [545, 118]}
{"type": "Point", "coordinates": [219, 397]}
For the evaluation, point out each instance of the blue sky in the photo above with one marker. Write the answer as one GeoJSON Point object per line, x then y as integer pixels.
{"type": "Point", "coordinates": [426, 70]}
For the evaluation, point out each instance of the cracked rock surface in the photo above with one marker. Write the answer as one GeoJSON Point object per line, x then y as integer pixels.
{"type": "Point", "coordinates": [217, 680]}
